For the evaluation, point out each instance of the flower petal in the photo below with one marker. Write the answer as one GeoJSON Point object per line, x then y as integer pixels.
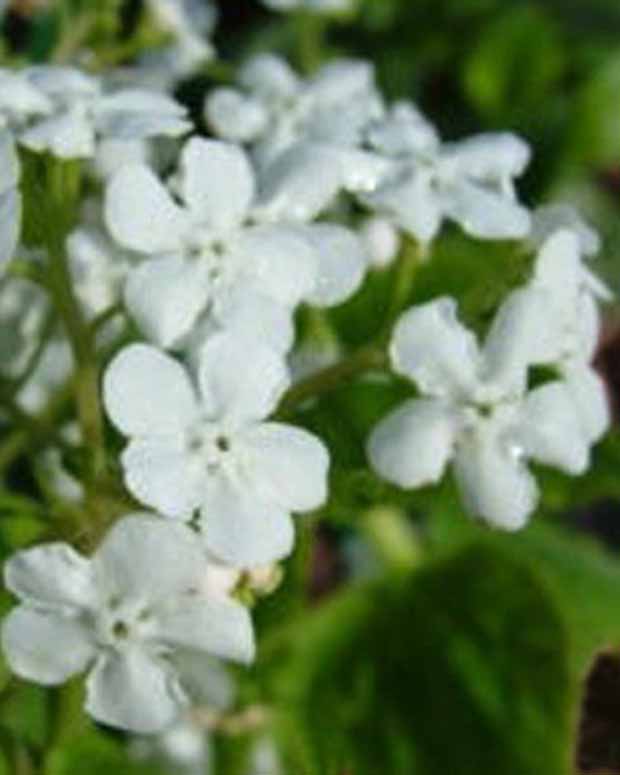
{"type": "Point", "coordinates": [269, 76]}
{"type": "Point", "coordinates": [411, 200]}
{"type": "Point", "coordinates": [412, 446]}
{"type": "Point", "coordinates": [550, 431]}
{"type": "Point", "coordinates": [166, 296]}
{"type": "Point", "coordinates": [517, 336]}
{"type": "Point", "coordinates": [216, 182]}
{"type": "Point", "coordinates": [485, 213]}
{"type": "Point", "coordinates": [252, 316]}
{"type": "Point", "coordinates": [234, 116]}
{"type": "Point", "coordinates": [44, 647]}
{"type": "Point", "coordinates": [242, 531]}
{"type": "Point", "coordinates": [341, 260]}
{"type": "Point", "coordinates": [150, 559]}
{"type": "Point", "coordinates": [494, 483]}
{"type": "Point", "coordinates": [280, 262]}
{"type": "Point", "coordinates": [53, 576]}
{"type": "Point", "coordinates": [432, 348]}
{"type": "Point", "coordinates": [147, 393]}
{"type": "Point", "coordinates": [161, 473]}
{"type": "Point", "coordinates": [133, 691]}
{"type": "Point", "coordinates": [589, 395]}
{"type": "Point", "coordinates": [10, 224]}
{"type": "Point", "coordinates": [221, 628]}
{"type": "Point", "coordinates": [240, 380]}
{"type": "Point", "coordinates": [289, 466]}
{"type": "Point", "coordinates": [140, 213]}
{"type": "Point", "coordinates": [494, 157]}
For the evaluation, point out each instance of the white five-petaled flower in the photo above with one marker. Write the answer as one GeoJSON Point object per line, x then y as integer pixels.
{"type": "Point", "coordinates": [470, 182]}
{"type": "Point", "coordinates": [207, 450]}
{"type": "Point", "coordinates": [476, 411]}
{"type": "Point", "coordinates": [126, 615]}
{"type": "Point", "coordinates": [78, 113]}
{"type": "Point", "coordinates": [274, 109]}
{"type": "Point", "coordinates": [210, 263]}
{"type": "Point", "coordinates": [10, 198]}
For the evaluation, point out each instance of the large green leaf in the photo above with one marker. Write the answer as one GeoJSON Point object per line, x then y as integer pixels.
{"type": "Point", "coordinates": [461, 667]}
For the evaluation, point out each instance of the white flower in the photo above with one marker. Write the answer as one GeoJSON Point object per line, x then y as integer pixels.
{"type": "Point", "coordinates": [318, 6]}
{"type": "Point", "coordinates": [123, 615]}
{"type": "Point", "coordinates": [207, 449]}
{"type": "Point", "coordinates": [572, 332]}
{"type": "Point", "coordinates": [475, 410]}
{"type": "Point", "coordinates": [274, 109]}
{"type": "Point", "coordinates": [469, 182]}
{"type": "Point", "coordinates": [81, 114]}
{"type": "Point", "coordinates": [10, 198]}
{"type": "Point", "coordinates": [208, 262]}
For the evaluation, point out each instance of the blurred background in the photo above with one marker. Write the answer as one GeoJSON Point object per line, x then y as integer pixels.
{"type": "Point", "coordinates": [492, 655]}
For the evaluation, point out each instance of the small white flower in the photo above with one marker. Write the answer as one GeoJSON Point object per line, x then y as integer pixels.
{"type": "Point", "coordinates": [476, 411]}
{"type": "Point", "coordinates": [207, 449]}
{"type": "Point", "coordinates": [81, 114]}
{"type": "Point", "coordinates": [274, 109]}
{"type": "Point", "coordinates": [10, 198]}
{"type": "Point", "coordinates": [209, 262]}
{"type": "Point", "coordinates": [469, 182]}
{"type": "Point", "coordinates": [125, 615]}
{"type": "Point", "coordinates": [317, 6]}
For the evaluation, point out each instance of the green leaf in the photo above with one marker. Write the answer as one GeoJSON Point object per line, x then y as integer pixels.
{"type": "Point", "coordinates": [461, 667]}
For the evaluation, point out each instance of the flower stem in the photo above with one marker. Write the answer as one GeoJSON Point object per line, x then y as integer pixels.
{"type": "Point", "coordinates": [310, 28]}
{"type": "Point", "coordinates": [363, 360]}
{"type": "Point", "coordinates": [406, 268]}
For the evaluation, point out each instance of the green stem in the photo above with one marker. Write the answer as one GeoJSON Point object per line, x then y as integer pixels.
{"type": "Point", "coordinates": [310, 29]}
{"type": "Point", "coordinates": [324, 381]}
{"type": "Point", "coordinates": [406, 268]}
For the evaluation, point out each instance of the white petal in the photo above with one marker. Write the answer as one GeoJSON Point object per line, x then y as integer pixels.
{"type": "Point", "coordinates": [519, 333]}
{"type": "Point", "coordinates": [20, 98]}
{"type": "Point", "coordinates": [412, 446]}
{"type": "Point", "coordinates": [558, 270]}
{"type": "Point", "coordinates": [485, 213]}
{"type": "Point", "coordinates": [269, 76]}
{"type": "Point", "coordinates": [280, 262]}
{"type": "Point", "coordinates": [341, 81]}
{"type": "Point", "coordinates": [133, 691]}
{"type": "Point", "coordinates": [140, 213]}
{"type": "Point", "coordinates": [241, 380]}
{"type": "Point", "coordinates": [44, 647]}
{"type": "Point", "coordinates": [288, 466]}
{"type": "Point", "coordinates": [431, 347]}
{"type": "Point", "coordinates": [243, 531]}
{"type": "Point", "coordinates": [252, 316]}
{"type": "Point", "coordinates": [147, 393]}
{"type": "Point", "coordinates": [10, 224]}
{"type": "Point", "coordinates": [130, 125]}
{"type": "Point", "coordinates": [589, 395]}
{"type": "Point", "coordinates": [382, 241]}
{"type": "Point", "coordinates": [405, 131]}
{"type": "Point", "coordinates": [149, 559]}
{"type": "Point", "coordinates": [205, 679]}
{"type": "Point", "coordinates": [490, 157]}
{"type": "Point", "coordinates": [216, 182]}
{"type": "Point", "coordinates": [161, 473]}
{"type": "Point", "coordinates": [9, 162]}
{"type": "Point", "coordinates": [69, 136]}
{"type": "Point", "coordinates": [139, 101]}
{"type": "Point", "coordinates": [166, 296]}
{"type": "Point", "coordinates": [235, 117]}
{"type": "Point", "coordinates": [550, 431]}
{"type": "Point", "coordinates": [341, 261]}
{"type": "Point", "coordinates": [411, 200]}
{"type": "Point", "coordinates": [52, 576]}
{"type": "Point", "coordinates": [559, 217]}
{"type": "Point", "coordinates": [63, 82]}
{"type": "Point", "coordinates": [221, 628]}
{"type": "Point", "coordinates": [494, 483]}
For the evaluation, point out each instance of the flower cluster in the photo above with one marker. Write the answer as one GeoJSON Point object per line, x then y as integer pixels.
{"type": "Point", "coordinates": [303, 188]}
